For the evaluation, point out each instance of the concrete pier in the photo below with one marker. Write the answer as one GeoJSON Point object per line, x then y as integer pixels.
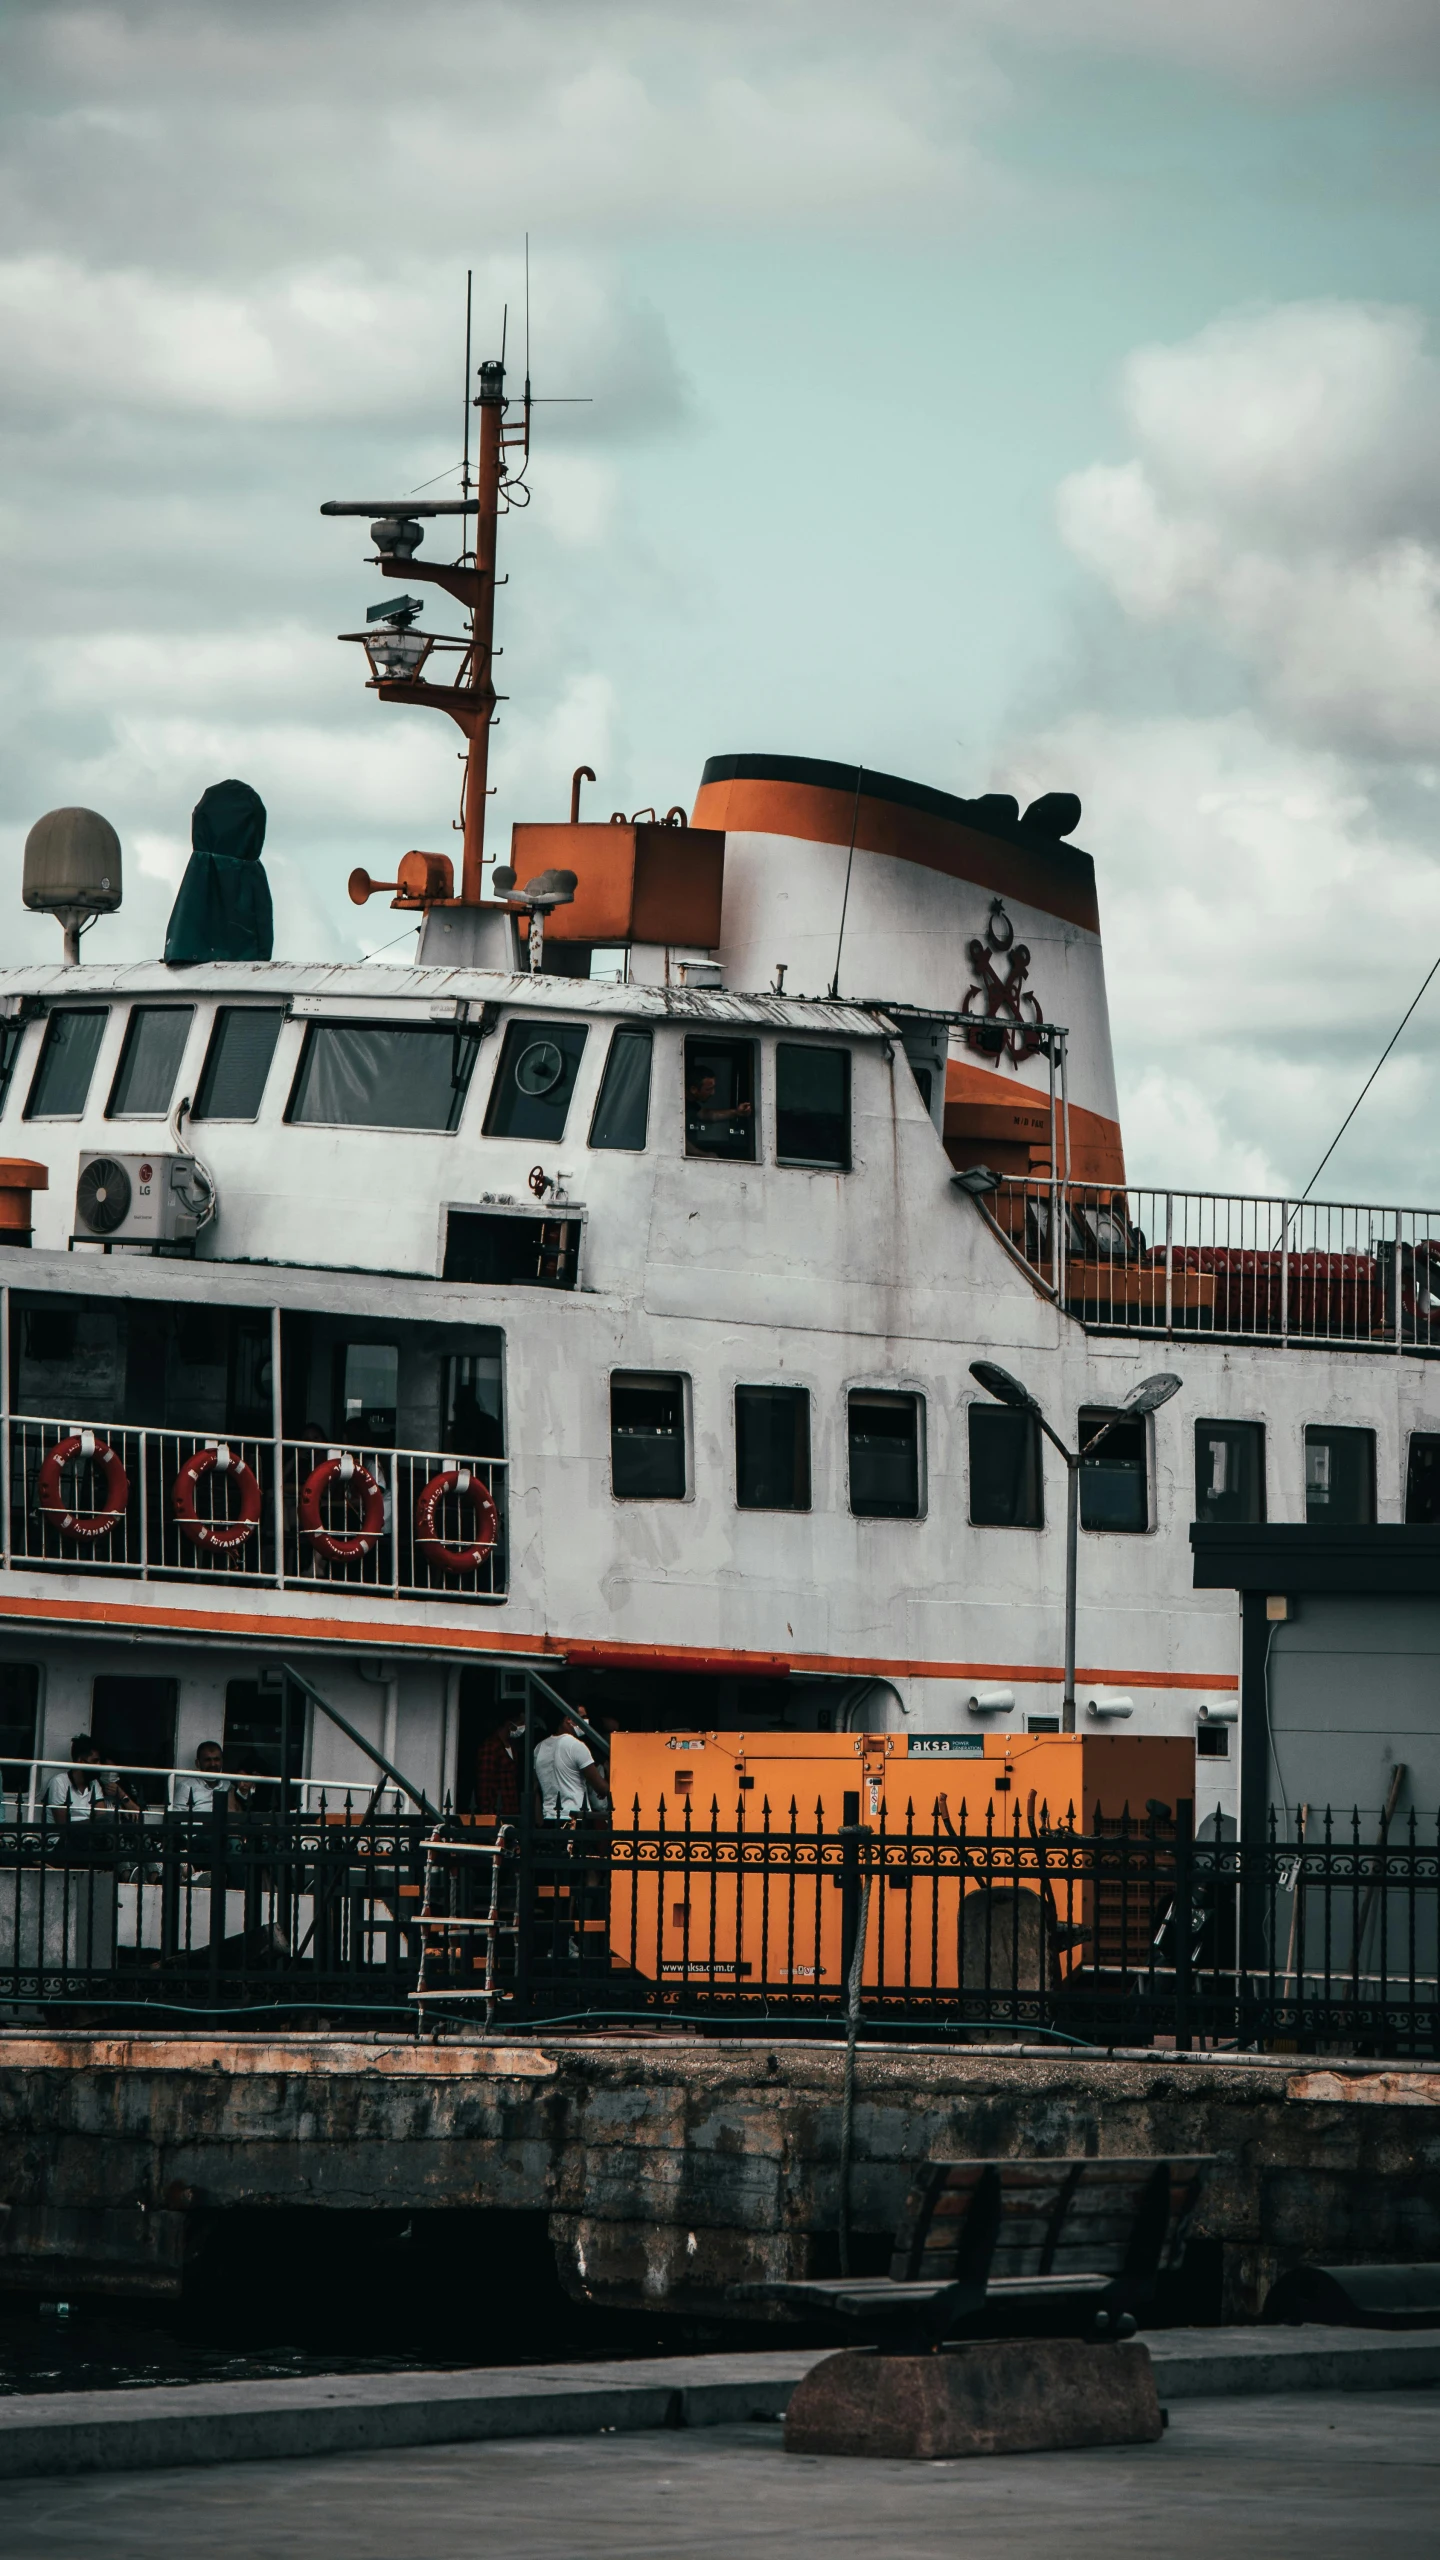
{"type": "Point", "coordinates": [670, 2166]}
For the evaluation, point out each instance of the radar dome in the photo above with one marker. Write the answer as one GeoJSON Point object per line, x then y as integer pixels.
{"type": "Point", "coordinates": [72, 859]}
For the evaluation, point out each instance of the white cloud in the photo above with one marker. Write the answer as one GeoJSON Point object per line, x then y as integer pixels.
{"type": "Point", "coordinates": [1286, 498]}
{"type": "Point", "coordinates": [1278, 43]}
{"type": "Point", "coordinates": [322, 341]}
{"type": "Point", "coordinates": [1264, 931]}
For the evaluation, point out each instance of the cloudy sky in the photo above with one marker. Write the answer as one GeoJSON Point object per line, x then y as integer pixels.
{"type": "Point", "coordinates": [1016, 394]}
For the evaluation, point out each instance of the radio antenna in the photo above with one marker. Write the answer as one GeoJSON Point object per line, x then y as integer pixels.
{"type": "Point", "coordinates": [465, 464]}
{"type": "Point", "coordinates": [527, 349]}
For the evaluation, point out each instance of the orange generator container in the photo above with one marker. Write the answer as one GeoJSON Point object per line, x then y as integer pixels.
{"type": "Point", "coordinates": [729, 1866]}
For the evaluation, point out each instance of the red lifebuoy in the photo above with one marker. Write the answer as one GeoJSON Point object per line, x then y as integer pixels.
{"type": "Point", "coordinates": [50, 1501]}
{"type": "Point", "coordinates": [216, 1537]}
{"type": "Point", "coordinates": [356, 1482]}
{"type": "Point", "coordinates": [467, 1486]}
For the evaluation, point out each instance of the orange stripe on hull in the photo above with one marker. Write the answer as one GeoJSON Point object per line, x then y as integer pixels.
{"type": "Point", "coordinates": [374, 1636]}
{"type": "Point", "coordinates": [818, 816]}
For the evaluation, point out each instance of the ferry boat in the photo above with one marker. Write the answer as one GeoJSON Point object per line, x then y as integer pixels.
{"type": "Point", "coordinates": [601, 1293]}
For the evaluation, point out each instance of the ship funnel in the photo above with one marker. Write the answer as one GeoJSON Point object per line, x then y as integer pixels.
{"type": "Point", "coordinates": [72, 870]}
{"type": "Point", "coordinates": [979, 921]}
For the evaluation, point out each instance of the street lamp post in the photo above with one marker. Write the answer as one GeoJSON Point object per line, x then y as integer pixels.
{"type": "Point", "coordinates": [1145, 1398]}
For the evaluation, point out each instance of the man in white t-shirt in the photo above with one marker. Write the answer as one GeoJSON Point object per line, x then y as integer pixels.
{"type": "Point", "coordinates": [197, 1791]}
{"type": "Point", "coordinates": [565, 1769]}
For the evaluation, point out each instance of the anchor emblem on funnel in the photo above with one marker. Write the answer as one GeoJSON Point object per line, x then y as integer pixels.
{"type": "Point", "coordinates": [1003, 1010]}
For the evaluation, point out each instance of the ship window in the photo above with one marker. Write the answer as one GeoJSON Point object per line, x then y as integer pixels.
{"type": "Point", "coordinates": [1212, 1742]}
{"type": "Point", "coordinates": [237, 1061]}
{"type": "Point", "coordinates": [884, 1456]}
{"type": "Point", "coordinates": [1115, 1483]}
{"type": "Point", "coordinates": [67, 1062]}
{"type": "Point", "coordinates": [772, 1448]}
{"type": "Point", "coordinates": [155, 1038]}
{"type": "Point", "coordinates": [367, 1392]}
{"type": "Point", "coordinates": [535, 1079]}
{"type": "Point", "coordinates": [381, 1075]}
{"type": "Point", "coordinates": [473, 1401]}
{"type": "Point", "coordinates": [720, 1099]}
{"type": "Point", "coordinates": [501, 1250]}
{"type": "Point", "coordinates": [647, 1436]}
{"type": "Point", "coordinates": [132, 1722]}
{"type": "Point", "coordinates": [812, 1107]}
{"type": "Point", "coordinates": [1422, 1480]}
{"type": "Point", "coordinates": [11, 1035]}
{"type": "Point", "coordinates": [1006, 1485]}
{"type": "Point", "coordinates": [623, 1111]}
{"type": "Point", "coordinates": [1230, 1473]}
{"type": "Point", "coordinates": [19, 1722]}
{"type": "Point", "coordinates": [1339, 1476]}
{"type": "Point", "coordinates": [264, 1732]}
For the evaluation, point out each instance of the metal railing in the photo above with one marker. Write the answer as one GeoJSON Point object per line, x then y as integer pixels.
{"type": "Point", "coordinates": [102, 1498]}
{"type": "Point", "coordinates": [1126, 1933]}
{"type": "Point", "coordinates": [23, 1785]}
{"type": "Point", "coordinates": [1138, 1260]}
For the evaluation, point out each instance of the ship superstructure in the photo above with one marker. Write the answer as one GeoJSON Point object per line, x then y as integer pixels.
{"type": "Point", "coordinates": [601, 1292]}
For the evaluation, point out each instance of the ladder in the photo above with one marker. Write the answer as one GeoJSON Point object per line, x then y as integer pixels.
{"type": "Point", "coordinates": [446, 1934]}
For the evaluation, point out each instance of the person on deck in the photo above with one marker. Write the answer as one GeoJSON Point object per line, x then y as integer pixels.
{"type": "Point", "coordinates": [497, 1769]}
{"type": "Point", "coordinates": [83, 1799]}
{"type": "Point", "coordinates": [569, 1774]}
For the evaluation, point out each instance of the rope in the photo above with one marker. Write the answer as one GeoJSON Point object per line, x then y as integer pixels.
{"type": "Point", "coordinates": [1364, 1089]}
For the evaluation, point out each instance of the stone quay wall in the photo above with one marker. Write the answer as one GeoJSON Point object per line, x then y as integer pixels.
{"type": "Point", "coordinates": [672, 2167]}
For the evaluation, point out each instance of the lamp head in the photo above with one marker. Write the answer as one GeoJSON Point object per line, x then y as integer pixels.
{"type": "Point", "coordinates": [978, 1180]}
{"type": "Point", "coordinates": [998, 1382]}
{"type": "Point", "coordinates": [1152, 1392]}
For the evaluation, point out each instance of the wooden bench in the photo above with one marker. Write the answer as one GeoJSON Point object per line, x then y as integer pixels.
{"type": "Point", "coordinates": [978, 2234]}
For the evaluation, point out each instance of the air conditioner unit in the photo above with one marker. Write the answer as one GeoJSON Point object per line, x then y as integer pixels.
{"type": "Point", "coordinates": [144, 1199]}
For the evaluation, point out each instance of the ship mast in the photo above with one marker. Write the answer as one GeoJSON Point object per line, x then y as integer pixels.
{"type": "Point", "coordinates": [399, 652]}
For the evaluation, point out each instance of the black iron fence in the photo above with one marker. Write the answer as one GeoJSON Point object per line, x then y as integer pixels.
{"type": "Point", "coordinates": [1129, 1932]}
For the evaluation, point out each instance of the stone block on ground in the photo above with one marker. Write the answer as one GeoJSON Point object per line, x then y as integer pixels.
{"type": "Point", "coordinates": [992, 2395]}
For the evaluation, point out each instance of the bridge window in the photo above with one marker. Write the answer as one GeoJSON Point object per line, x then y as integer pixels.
{"type": "Point", "coordinates": [382, 1075]}
{"type": "Point", "coordinates": [535, 1079]}
{"type": "Point", "coordinates": [1339, 1475]}
{"type": "Point", "coordinates": [647, 1436]}
{"type": "Point", "coordinates": [61, 1085]}
{"type": "Point", "coordinates": [1006, 1485]}
{"type": "Point", "coordinates": [237, 1062]}
{"type": "Point", "coordinates": [155, 1038]}
{"type": "Point", "coordinates": [812, 1107]}
{"type": "Point", "coordinates": [1230, 1473]}
{"type": "Point", "coordinates": [12, 1032]}
{"type": "Point", "coordinates": [1115, 1483]}
{"type": "Point", "coordinates": [622, 1112]}
{"type": "Point", "coordinates": [720, 1099]}
{"type": "Point", "coordinates": [772, 1448]}
{"type": "Point", "coordinates": [884, 1456]}
{"type": "Point", "coordinates": [1422, 1480]}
